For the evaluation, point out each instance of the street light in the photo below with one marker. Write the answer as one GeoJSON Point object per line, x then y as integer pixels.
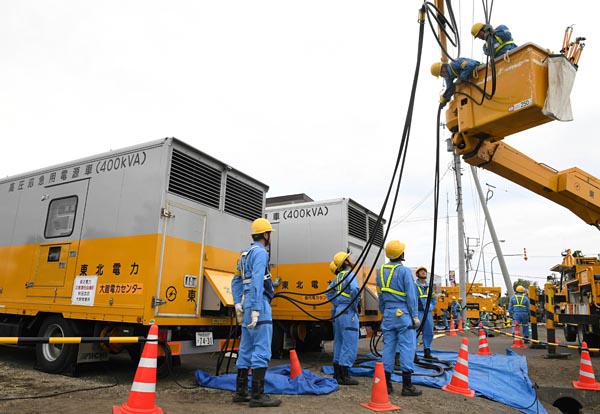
{"type": "Point", "coordinates": [492, 263]}
{"type": "Point", "coordinates": [483, 260]}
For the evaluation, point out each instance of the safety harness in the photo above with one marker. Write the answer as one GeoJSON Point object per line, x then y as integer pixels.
{"type": "Point", "coordinates": [501, 44]}
{"type": "Point", "coordinates": [519, 299]}
{"type": "Point", "coordinates": [269, 292]}
{"type": "Point", "coordinates": [385, 283]}
{"type": "Point", "coordinates": [422, 295]}
{"type": "Point", "coordinates": [338, 281]}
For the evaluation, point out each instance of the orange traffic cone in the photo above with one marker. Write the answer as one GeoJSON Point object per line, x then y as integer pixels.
{"type": "Point", "coordinates": [142, 395]}
{"type": "Point", "coordinates": [460, 325]}
{"type": "Point", "coordinates": [452, 331]}
{"type": "Point", "coordinates": [587, 380]}
{"type": "Point", "coordinates": [459, 383]}
{"type": "Point", "coordinates": [484, 348]}
{"type": "Point", "coordinates": [518, 340]}
{"type": "Point", "coordinates": [295, 368]}
{"type": "Point", "coordinates": [379, 395]}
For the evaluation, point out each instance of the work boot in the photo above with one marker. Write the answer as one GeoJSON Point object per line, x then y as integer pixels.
{"type": "Point", "coordinates": [336, 372]}
{"type": "Point", "coordinates": [427, 353]}
{"type": "Point", "coordinates": [388, 382]}
{"type": "Point", "coordinates": [416, 358]}
{"type": "Point", "coordinates": [345, 379]}
{"type": "Point", "coordinates": [259, 399]}
{"type": "Point", "coordinates": [408, 389]}
{"type": "Point", "coordinates": [241, 386]}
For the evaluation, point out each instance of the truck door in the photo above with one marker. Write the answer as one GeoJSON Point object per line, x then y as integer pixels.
{"type": "Point", "coordinates": [62, 214]}
{"type": "Point", "coordinates": [181, 261]}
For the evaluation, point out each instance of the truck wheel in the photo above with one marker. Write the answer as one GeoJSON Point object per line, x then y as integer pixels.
{"type": "Point", "coordinates": [570, 333]}
{"type": "Point", "coordinates": [592, 340]}
{"type": "Point", "coordinates": [56, 358]}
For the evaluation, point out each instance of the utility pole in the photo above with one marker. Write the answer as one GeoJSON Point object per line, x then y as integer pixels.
{"type": "Point", "coordinates": [492, 230]}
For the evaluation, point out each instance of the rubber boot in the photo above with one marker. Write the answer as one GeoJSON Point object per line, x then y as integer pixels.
{"type": "Point", "coordinates": [427, 353]}
{"type": "Point", "coordinates": [408, 389]}
{"type": "Point", "coordinates": [259, 399]}
{"type": "Point", "coordinates": [388, 382]}
{"type": "Point", "coordinates": [336, 372]}
{"type": "Point", "coordinates": [345, 378]}
{"type": "Point", "coordinates": [241, 386]}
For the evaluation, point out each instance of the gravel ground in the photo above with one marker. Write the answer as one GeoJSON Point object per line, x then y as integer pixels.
{"type": "Point", "coordinates": [102, 386]}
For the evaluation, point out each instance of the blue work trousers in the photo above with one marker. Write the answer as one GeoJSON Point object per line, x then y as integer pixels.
{"type": "Point", "coordinates": [345, 339]}
{"type": "Point", "coordinates": [255, 344]}
{"type": "Point", "coordinates": [397, 337]}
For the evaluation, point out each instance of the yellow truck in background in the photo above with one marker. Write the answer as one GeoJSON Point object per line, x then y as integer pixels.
{"type": "Point", "coordinates": [478, 296]}
{"type": "Point", "coordinates": [306, 236]}
{"type": "Point", "coordinates": [110, 244]}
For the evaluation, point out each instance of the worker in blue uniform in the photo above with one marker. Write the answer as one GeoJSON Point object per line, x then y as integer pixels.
{"type": "Point", "coordinates": [501, 38]}
{"type": "Point", "coordinates": [422, 287]}
{"type": "Point", "coordinates": [343, 293]}
{"type": "Point", "coordinates": [398, 304]}
{"type": "Point", "coordinates": [459, 70]}
{"type": "Point", "coordinates": [455, 309]}
{"type": "Point", "coordinates": [484, 318]}
{"type": "Point", "coordinates": [252, 287]}
{"type": "Point", "coordinates": [518, 308]}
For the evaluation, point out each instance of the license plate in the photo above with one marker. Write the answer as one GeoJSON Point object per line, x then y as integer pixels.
{"type": "Point", "coordinates": [363, 331]}
{"type": "Point", "coordinates": [204, 338]}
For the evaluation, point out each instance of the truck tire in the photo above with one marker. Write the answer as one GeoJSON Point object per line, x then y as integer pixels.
{"type": "Point", "coordinates": [56, 358]}
{"type": "Point", "coordinates": [570, 333]}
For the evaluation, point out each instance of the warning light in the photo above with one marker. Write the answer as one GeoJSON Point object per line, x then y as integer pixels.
{"type": "Point", "coordinates": [524, 253]}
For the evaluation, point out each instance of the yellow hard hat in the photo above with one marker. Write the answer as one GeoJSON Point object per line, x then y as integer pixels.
{"type": "Point", "coordinates": [332, 267]}
{"type": "Point", "coordinates": [484, 309]}
{"type": "Point", "coordinates": [339, 259]}
{"type": "Point", "coordinates": [261, 225]}
{"type": "Point", "coordinates": [421, 268]}
{"type": "Point", "coordinates": [520, 288]}
{"type": "Point", "coordinates": [453, 297]}
{"type": "Point", "coordinates": [394, 249]}
{"type": "Point", "coordinates": [436, 69]}
{"type": "Point", "coordinates": [476, 28]}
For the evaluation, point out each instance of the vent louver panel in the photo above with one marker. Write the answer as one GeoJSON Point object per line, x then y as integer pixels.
{"type": "Point", "coordinates": [194, 180]}
{"type": "Point", "coordinates": [378, 230]}
{"type": "Point", "coordinates": [357, 223]}
{"type": "Point", "coordinates": [243, 200]}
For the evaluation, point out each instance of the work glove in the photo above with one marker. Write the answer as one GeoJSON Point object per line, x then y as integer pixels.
{"type": "Point", "coordinates": [239, 313]}
{"type": "Point", "coordinates": [443, 102]}
{"type": "Point", "coordinates": [254, 315]}
{"type": "Point", "coordinates": [416, 322]}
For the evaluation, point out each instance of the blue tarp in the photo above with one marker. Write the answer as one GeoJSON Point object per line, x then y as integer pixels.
{"type": "Point", "coordinates": [277, 381]}
{"type": "Point", "coordinates": [501, 378]}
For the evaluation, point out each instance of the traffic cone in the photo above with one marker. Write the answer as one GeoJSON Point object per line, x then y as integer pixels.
{"type": "Point", "coordinates": [518, 342]}
{"type": "Point", "coordinates": [295, 368]}
{"type": "Point", "coordinates": [379, 395]}
{"type": "Point", "coordinates": [460, 325]}
{"type": "Point", "coordinates": [484, 348]}
{"type": "Point", "coordinates": [587, 380]}
{"type": "Point", "coordinates": [459, 383]}
{"type": "Point", "coordinates": [452, 331]}
{"type": "Point", "coordinates": [142, 396]}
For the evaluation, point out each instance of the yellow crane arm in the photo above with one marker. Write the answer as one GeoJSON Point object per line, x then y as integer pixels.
{"type": "Point", "coordinates": [573, 188]}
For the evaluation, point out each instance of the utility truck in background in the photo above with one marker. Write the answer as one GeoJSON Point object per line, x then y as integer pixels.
{"type": "Point", "coordinates": [478, 297]}
{"type": "Point", "coordinates": [306, 236]}
{"type": "Point", "coordinates": [110, 244]}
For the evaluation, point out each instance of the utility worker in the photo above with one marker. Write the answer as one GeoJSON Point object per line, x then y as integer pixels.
{"type": "Point", "coordinates": [426, 320]}
{"type": "Point", "coordinates": [398, 304]}
{"type": "Point", "coordinates": [460, 69]}
{"type": "Point", "coordinates": [343, 293]}
{"type": "Point", "coordinates": [455, 311]}
{"type": "Point", "coordinates": [501, 38]}
{"type": "Point", "coordinates": [255, 285]}
{"type": "Point", "coordinates": [519, 310]}
{"type": "Point", "coordinates": [484, 318]}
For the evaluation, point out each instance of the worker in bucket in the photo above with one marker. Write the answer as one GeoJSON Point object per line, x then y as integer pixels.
{"type": "Point", "coordinates": [343, 293]}
{"type": "Point", "coordinates": [255, 285]}
{"type": "Point", "coordinates": [458, 70]}
{"type": "Point", "coordinates": [519, 311]}
{"type": "Point", "coordinates": [422, 286]}
{"type": "Point", "coordinates": [500, 37]}
{"type": "Point", "coordinates": [398, 304]}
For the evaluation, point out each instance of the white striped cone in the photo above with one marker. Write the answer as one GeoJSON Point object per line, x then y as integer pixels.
{"type": "Point", "coordinates": [142, 396]}
{"type": "Point", "coordinates": [484, 348]}
{"type": "Point", "coordinates": [459, 383]}
{"type": "Point", "coordinates": [587, 379]}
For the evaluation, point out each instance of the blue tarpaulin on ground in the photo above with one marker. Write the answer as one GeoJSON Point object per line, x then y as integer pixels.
{"type": "Point", "coordinates": [502, 378]}
{"type": "Point", "coordinates": [277, 381]}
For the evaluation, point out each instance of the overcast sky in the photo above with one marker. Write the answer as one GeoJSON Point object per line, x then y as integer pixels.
{"type": "Point", "coordinates": [306, 96]}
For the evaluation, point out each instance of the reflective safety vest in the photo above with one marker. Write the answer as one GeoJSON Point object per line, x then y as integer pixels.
{"type": "Point", "coordinates": [422, 295]}
{"type": "Point", "coordinates": [519, 302]}
{"type": "Point", "coordinates": [501, 44]}
{"type": "Point", "coordinates": [385, 283]}
{"type": "Point", "coordinates": [339, 279]}
{"type": "Point", "coordinates": [269, 291]}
